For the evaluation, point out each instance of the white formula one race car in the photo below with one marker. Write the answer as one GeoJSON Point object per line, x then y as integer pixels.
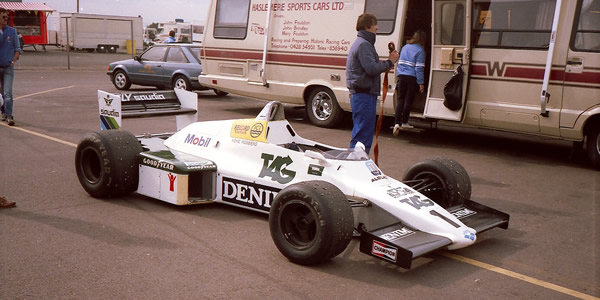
{"type": "Point", "coordinates": [317, 196]}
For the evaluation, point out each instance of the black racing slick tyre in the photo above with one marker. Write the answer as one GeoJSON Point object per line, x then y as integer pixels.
{"type": "Point", "coordinates": [441, 179]}
{"type": "Point", "coordinates": [593, 145]}
{"type": "Point", "coordinates": [311, 222]}
{"type": "Point", "coordinates": [121, 80]}
{"type": "Point", "coordinates": [107, 163]}
{"type": "Point", "coordinates": [323, 109]}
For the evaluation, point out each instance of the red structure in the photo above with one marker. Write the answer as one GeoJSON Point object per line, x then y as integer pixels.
{"type": "Point", "coordinates": [29, 19]}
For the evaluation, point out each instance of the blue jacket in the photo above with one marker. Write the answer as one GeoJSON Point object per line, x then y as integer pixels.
{"type": "Point", "coordinates": [9, 44]}
{"type": "Point", "coordinates": [363, 67]}
{"type": "Point", "coordinates": [412, 62]}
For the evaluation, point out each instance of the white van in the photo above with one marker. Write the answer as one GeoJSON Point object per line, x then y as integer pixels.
{"type": "Point", "coordinates": [531, 66]}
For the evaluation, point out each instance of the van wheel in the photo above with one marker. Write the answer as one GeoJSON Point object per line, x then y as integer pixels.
{"type": "Point", "coordinates": [106, 163]}
{"type": "Point", "coordinates": [593, 146]}
{"type": "Point", "coordinates": [121, 80]}
{"type": "Point", "coordinates": [311, 222]}
{"type": "Point", "coordinates": [323, 109]}
{"type": "Point", "coordinates": [441, 179]}
{"type": "Point", "coordinates": [181, 82]}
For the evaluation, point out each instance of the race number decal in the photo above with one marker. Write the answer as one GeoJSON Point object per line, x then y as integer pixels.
{"type": "Point", "coordinates": [416, 202]}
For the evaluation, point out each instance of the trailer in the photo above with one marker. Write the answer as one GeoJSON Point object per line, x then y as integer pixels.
{"type": "Point", "coordinates": [101, 33]}
{"type": "Point", "coordinates": [530, 66]}
{"type": "Point", "coordinates": [30, 21]}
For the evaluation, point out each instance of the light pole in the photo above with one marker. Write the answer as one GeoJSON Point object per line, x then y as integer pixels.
{"type": "Point", "coordinates": [77, 6]}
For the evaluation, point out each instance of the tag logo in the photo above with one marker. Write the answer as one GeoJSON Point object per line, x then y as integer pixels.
{"type": "Point", "coordinates": [416, 202]}
{"type": "Point", "coordinates": [277, 168]}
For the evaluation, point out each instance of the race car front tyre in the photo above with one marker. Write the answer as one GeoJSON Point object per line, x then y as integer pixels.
{"type": "Point", "coordinates": [311, 222]}
{"type": "Point", "coordinates": [106, 163]}
{"type": "Point", "coordinates": [441, 179]}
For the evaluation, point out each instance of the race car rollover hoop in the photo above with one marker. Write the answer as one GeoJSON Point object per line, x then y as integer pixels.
{"type": "Point", "coordinates": [317, 196]}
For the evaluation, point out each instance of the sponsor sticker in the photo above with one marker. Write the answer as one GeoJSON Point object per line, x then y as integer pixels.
{"type": "Point", "coordinates": [144, 96]}
{"type": "Point", "coordinates": [373, 168]}
{"type": "Point", "coordinates": [249, 129]}
{"type": "Point", "coordinates": [163, 165]}
{"type": "Point", "coordinates": [399, 192]}
{"type": "Point", "coordinates": [200, 141]}
{"type": "Point", "coordinates": [248, 194]}
{"type": "Point", "coordinates": [315, 170]}
{"type": "Point", "coordinates": [463, 213]}
{"type": "Point", "coordinates": [397, 234]}
{"type": "Point", "coordinates": [469, 235]}
{"type": "Point", "coordinates": [171, 182]}
{"type": "Point", "coordinates": [385, 251]}
{"type": "Point", "coordinates": [200, 165]}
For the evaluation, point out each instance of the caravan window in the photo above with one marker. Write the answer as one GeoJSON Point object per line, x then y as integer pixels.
{"type": "Point", "coordinates": [450, 24]}
{"type": "Point", "coordinates": [385, 11]}
{"type": "Point", "coordinates": [512, 23]}
{"type": "Point", "coordinates": [587, 27]}
{"type": "Point", "coordinates": [231, 20]}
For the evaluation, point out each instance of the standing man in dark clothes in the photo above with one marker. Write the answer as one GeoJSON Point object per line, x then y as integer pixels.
{"type": "Point", "coordinates": [363, 79]}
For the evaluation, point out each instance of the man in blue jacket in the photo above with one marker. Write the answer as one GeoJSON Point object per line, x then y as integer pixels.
{"type": "Point", "coordinates": [10, 49]}
{"type": "Point", "coordinates": [363, 79]}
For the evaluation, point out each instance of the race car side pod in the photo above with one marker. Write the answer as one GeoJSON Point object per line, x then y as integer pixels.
{"type": "Point", "coordinates": [115, 107]}
{"type": "Point", "coordinates": [400, 244]}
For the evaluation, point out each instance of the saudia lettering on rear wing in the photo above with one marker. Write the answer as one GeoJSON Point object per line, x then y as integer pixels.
{"type": "Point", "coordinates": [114, 107]}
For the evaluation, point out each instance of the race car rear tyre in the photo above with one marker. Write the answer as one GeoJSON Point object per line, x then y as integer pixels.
{"type": "Point", "coordinates": [106, 163]}
{"type": "Point", "coordinates": [593, 145]}
{"type": "Point", "coordinates": [441, 179]}
{"type": "Point", "coordinates": [121, 80]}
{"type": "Point", "coordinates": [323, 109]}
{"type": "Point", "coordinates": [181, 82]}
{"type": "Point", "coordinates": [311, 222]}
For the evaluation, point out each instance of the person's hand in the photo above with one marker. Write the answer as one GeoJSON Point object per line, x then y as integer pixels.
{"type": "Point", "coordinates": [421, 88]}
{"type": "Point", "coordinates": [394, 56]}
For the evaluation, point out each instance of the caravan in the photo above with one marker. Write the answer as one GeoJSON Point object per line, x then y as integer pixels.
{"type": "Point", "coordinates": [530, 66]}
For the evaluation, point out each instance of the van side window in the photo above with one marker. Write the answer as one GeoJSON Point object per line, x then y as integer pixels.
{"type": "Point", "coordinates": [231, 21]}
{"type": "Point", "coordinates": [586, 35]}
{"type": "Point", "coordinates": [512, 23]}
{"type": "Point", "coordinates": [385, 11]}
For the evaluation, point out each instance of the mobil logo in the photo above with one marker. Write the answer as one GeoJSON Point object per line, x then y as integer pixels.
{"type": "Point", "coordinates": [200, 141]}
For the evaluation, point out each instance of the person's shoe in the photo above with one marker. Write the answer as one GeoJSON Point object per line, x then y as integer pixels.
{"type": "Point", "coordinates": [6, 204]}
{"type": "Point", "coordinates": [3, 117]}
{"type": "Point", "coordinates": [396, 129]}
{"type": "Point", "coordinates": [407, 126]}
{"type": "Point", "coordinates": [11, 121]}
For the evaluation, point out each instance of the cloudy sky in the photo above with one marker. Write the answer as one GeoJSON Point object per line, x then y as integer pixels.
{"type": "Point", "coordinates": [150, 10]}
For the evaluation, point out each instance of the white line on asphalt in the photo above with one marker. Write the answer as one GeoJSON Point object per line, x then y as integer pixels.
{"type": "Point", "coordinates": [466, 260]}
{"type": "Point", "coordinates": [43, 92]}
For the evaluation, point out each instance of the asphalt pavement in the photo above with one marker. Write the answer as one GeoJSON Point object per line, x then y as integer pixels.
{"type": "Point", "coordinates": [60, 243]}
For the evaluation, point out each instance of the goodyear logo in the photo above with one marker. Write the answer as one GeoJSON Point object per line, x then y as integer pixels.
{"type": "Point", "coordinates": [249, 129]}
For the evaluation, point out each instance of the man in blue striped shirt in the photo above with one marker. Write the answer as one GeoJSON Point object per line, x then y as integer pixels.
{"type": "Point", "coordinates": [411, 66]}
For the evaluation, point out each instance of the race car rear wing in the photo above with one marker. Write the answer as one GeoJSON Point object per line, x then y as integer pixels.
{"type": "Point", "coordinates": [115, 107]}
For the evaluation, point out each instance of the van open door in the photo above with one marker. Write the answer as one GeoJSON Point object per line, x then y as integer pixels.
{"type": "Point", "coordinates": [450, 48]}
